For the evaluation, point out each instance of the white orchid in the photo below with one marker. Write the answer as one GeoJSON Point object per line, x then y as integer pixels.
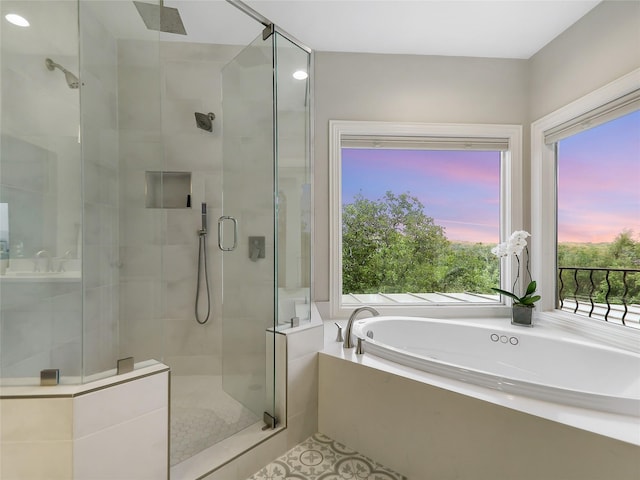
{"type": "Point", "coordinates": [500, 250]}
{"type": "Point", "coordinates": [516, 243]}
{"type": "Point", "coordinates": [514, 246]}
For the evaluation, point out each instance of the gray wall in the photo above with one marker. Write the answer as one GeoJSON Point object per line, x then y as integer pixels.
{"type": "Point", "coordinates": [599, 48]}
{"type": "Point", "coordinates": [602, 46]}
{"type": "Point", "coordinates": [404, 88]}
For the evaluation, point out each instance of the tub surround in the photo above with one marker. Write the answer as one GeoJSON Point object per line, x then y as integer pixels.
{"type": "Point", "coordinates": [431, 423]}
{"type": "Point", "coordinates": [619, 427]}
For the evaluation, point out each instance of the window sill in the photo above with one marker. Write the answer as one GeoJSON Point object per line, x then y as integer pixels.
{"type": "Point", "coordinates": [455, 310]}
{"type": "Point", "coordinates": [610, 334]}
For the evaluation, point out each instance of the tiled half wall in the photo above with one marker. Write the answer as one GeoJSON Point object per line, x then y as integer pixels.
{"type": "Point", "coordinates": [98, 430]}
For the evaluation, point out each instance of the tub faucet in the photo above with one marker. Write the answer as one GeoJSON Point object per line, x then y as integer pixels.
{"type": "Point", "coordinates": [43, 254]}
{"type": "Point", "coordinates": [348, 342]}
{"type": "Point", "coordinates": [67, 255]}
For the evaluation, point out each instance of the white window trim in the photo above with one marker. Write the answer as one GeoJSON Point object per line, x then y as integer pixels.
{"type": "Point", "coordinates": [543, 190]}
{"type": "Point", "coordinates": [510, 210]}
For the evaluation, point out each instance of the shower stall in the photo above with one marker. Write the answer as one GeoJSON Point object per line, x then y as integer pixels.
{"type": "Point", "coordinates": [101, 188]}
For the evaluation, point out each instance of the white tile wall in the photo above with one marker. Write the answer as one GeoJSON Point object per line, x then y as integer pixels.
{"type": "Point", "coordinates": [36, 460]}
{"type": "Point", "coordinates": [118, 404]}
{"type": "Point", "coordinates": [36, 429]}
{"type": "Point", "coordinates": [303, 343]}
{"type": "Point", "coordinates": [129, 438]}
{"type": "Point", "coordinates": [116, 433]}
{"type": "Point", "coordinates": [135, 449]}
{"type": "Point", "coordinates": [39, 420]}
{"type": "Point", "coordinates": [302, 385]}
{"type": "Point", "coordinates": [158, 97]}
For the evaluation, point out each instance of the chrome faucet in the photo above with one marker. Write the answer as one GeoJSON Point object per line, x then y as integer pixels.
{"type": "Point", "coordinates": [348, 342]}
{"type": "Point", "coordinates": [61, 266]}
{"type": "Point", "coordinates": [43, 254]}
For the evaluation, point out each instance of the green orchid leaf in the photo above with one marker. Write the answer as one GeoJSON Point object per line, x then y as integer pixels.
{"type": "Point", "coordinates": [531, 288]}
{"type": "Point", "coordinates": [508, 294]}
{"type": "Point", "coordinates": [529, 300]}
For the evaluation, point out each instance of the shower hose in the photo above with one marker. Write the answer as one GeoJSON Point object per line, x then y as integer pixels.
{"type": "Point", "coordinates": [202, 260]}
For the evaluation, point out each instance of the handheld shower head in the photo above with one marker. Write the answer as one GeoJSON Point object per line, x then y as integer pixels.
{"type": "Point", "coordinates": [203, 215]}
{"type": "Point", "coordinates": [71, 79]}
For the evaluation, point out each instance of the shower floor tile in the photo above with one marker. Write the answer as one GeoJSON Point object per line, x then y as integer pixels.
{"type": "Point", "coordinates": [202, 414]}
{"type": "Point", "coordinates": [321, 458]}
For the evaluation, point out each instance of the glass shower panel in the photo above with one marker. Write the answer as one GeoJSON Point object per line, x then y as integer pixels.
{"type": "Point", "coordinates": [293, 182]}
{"type": "Point", "coordinates": [121, 140]}
{"type": "Point", "coordinates": [248, 303]}
{"type": "Point", "coordinates": [40, 193]}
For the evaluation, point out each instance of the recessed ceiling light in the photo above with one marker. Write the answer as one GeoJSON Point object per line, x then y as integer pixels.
{"type": "Point", "coordinates": [300, 75]}
{"type": "Point", "coordinates": [17, 19]}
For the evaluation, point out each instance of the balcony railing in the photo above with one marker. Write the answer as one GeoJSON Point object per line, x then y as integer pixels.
{"type": "Point", "coordinates": [610, 294]}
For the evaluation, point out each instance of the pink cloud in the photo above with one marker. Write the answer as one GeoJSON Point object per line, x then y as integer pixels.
{"type": "Point", "coordinates": [470, 232]}
{"type": "Point", "coordinates": [463, 171]}
{"type": "Point", "coordinates": [594, 226]}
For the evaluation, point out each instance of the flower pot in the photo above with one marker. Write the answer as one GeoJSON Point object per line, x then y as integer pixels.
{"type": "Point", "coordinates": [521, 315]}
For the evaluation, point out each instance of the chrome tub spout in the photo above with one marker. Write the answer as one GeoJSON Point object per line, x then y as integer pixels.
{"type": "Point", "coordinates": [49, 261]}
{"type": "Point", "coordinates": [348, 341]}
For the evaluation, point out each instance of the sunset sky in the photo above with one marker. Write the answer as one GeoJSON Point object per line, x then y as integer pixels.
{"type": "Point", "coordinates": [459, 190]}
{"type": "Point", "coordinates": [599, 182]}
{"type": "Point", "coordinates": [599, 175]}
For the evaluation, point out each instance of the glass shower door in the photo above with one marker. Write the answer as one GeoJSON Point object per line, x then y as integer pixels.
{"type": "Point", "coordinates": [246, 230]}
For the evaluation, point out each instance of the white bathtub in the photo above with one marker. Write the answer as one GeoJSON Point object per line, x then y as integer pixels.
{"type": "Point", "coordinates": [538, 363]}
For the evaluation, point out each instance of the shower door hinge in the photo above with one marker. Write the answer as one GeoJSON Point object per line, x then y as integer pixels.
{"type": "Point", "coordinates": [124, 365]}
{"type": "Point", "coordinates": [270, 421]}
{"type": "Point", "coordinates": [268, 31]}
{"type": "Point", "coordinates": [50, 376]}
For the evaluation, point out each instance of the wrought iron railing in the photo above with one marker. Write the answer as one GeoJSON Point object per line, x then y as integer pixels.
{"type": "Point", "coordinates": [614, 288]}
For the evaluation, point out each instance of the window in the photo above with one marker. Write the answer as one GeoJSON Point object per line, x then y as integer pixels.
{"type": "Point", "coordinates": [415, 210]}
{"type": "Point", "coordinates": [586, 205]}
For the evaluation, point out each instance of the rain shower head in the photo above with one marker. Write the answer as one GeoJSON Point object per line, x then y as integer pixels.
{"type": "Point", "coordinates": [72, 80]}
{"type": "Point", "coordinates": [161, 18]}
{"type": "Point", "coordinates": [205, 121]}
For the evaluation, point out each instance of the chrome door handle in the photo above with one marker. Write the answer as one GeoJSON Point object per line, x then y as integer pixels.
{"type": "Point", "coordinates": [221, 220]}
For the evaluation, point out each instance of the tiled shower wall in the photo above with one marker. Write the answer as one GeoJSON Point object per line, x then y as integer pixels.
{"type": "Point", "coordinates": [160, 88]}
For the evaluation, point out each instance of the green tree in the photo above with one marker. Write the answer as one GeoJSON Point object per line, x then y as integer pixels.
{"type": "Point", "coordinates": [390, 245]}
{"type": "Point", "coordinates": [471, 268]}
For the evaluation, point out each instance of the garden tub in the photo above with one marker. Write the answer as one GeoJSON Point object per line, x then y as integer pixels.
{"type": "Point", "coordinates": [539, 363]}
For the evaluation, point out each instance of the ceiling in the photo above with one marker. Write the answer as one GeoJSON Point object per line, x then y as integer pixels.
{"type": "Point", "coordinates": [477, 28]}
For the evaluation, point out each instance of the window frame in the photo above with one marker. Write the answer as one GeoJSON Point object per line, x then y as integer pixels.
{"type": "Point", "coordinates": [544, 194]}
{"type": "Point", "coordinates": [511, 205]}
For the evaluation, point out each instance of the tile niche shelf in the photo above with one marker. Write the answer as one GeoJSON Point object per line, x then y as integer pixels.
{"type": "Point", "coordinates": [167, 189]}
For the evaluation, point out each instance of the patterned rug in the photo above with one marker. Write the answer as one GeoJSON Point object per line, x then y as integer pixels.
{"type": "Point", "coordinates": [321, 458]}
